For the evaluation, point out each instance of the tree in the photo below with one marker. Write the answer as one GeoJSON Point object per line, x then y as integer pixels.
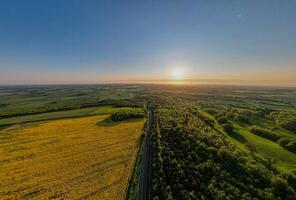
{"type": "Point", "coordinates": [252, 148]}
{"type": "Point", "coordinates": [270, 162]}
{"type": "Point", "coordinates": [228, 128]}
{"type": "Point", "coordinates": [222, 120]}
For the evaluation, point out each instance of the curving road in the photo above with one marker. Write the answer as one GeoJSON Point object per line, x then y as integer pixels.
{"type": "Point", "coordinates": [143, 187]}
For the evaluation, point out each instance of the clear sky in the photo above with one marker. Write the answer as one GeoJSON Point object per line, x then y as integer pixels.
{"type": "Point", "coordinates": [71, 41]}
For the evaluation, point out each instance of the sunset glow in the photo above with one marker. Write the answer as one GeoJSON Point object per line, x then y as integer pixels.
{"type": "Point", "coordinates": [178, 74]}
{"type": "Point", "coordinates": [111, 42]}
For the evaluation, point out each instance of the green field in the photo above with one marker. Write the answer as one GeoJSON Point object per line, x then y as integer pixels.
{"type": "Point", "coordinates": [236, 142]}
{"type": "Point", "coordinates": [285, 160]}
{"type": "Point", "coordinates": [223, 142]}
{"type": "Point", "coordinates": [252, 100]}
{"type": "Point", "coordinates": [20, 100]}
{"type": "Point", "coordinates": [61, 114]}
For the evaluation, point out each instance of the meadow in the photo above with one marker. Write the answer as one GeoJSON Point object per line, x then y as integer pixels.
{"type": "Point", "coordinates": [24, 100]}
{"type": "Point", "coordinates": [243, 107]}
{"type": "Point", "coordinates": [223, 142]}
{"type": "Point", "coordinates": [77, 158]}
{"type": "Point", "coordinates": [98, 110]}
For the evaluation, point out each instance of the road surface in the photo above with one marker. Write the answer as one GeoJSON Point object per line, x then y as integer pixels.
{"type": "Point", "coordinates": [143, 187]}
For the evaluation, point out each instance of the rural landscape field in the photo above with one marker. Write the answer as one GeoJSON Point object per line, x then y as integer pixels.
{"type": "Point", "coordinates": [68, 158]}
{"type": "Point", "coordinates": [58, 150]}
{"type": "Point", "coordinates": [147, 100]}
{"type": "Point", "coordinates": [199, 142]}
{"type": "Point", "coordinates": [65, 151]}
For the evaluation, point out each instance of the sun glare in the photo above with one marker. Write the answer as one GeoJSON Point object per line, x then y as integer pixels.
{"type": "Point", "coordinates": [177, 74]}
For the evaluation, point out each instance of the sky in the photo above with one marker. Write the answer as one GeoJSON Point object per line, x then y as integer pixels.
{"type": "Point", "coordinates": [85, 41]}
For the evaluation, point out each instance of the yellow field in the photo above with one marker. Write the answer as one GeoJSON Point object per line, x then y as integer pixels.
{"type": "Point", "coordinates": [69, 158]}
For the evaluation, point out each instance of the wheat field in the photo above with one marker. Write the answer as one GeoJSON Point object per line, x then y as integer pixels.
{"type": "Point", "coordinates": [77, 158]}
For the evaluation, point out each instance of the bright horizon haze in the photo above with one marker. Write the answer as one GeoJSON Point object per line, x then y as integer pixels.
{"type": "Point", "coordinates": [75, 41]}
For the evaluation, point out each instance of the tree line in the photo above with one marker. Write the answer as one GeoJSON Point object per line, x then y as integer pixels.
{"type": "Point", "coordinates": [191, 161]}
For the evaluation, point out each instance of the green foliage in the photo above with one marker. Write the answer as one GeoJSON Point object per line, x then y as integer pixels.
{"type": "Point", "coordinates": [263, 110]}
{"type": "Point", "coordinates": [282, 188]}
{"type": "Point", "coordinates": [252, 148]}
{"type": "Point", "coordinates": [99, 110]}
{"type": "Point", "coordinates": [191, 158]}
{"type": "Point", "coordinates": [228, 128]}
{"type": "Point", "coordinates": [289, 124]}
{"type": "Point", "coordinates": [288, 143]}
{"type": "Point", "coordinates": [264, 133]}
{"type": "Point", "coordinates": [204, 118]}
{"type": "Point", "coordinates": [127, 114]}
{"type": "Point", "coordinates": [222, 120]}
{"type": "Point", "coordinates": [192, 161]}
{"type": "Point", "coordinates": [26, 100]}
{"type": "Point", "coordinates": [285, 120]}
{"type": "Point", "coordinates": [133, 185]}
{"type": "Point", "coordinates": [241, 118]}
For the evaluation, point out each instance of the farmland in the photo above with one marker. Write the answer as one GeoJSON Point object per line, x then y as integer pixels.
{"type": "Point", "coordinates": [99, 110]}
{"type": "Point", "coordinates": [68, 158]}
{"type": "Point", "coordinates": [24, 100]}
{"type": "Point", "coordinates": [205, 142]}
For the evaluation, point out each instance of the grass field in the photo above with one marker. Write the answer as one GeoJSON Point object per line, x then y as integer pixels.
{"type": "Point", "coordinates": [77, 158]}
{"type": "Point", "coordinates": [18, 100]}
{"type": "Point", "coordinates": [61, 114]}
{"type": "Point", "coordinates": [285, 160]}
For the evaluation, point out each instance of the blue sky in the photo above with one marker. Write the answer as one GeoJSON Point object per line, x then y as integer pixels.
{"type": "Point", "coordinates": [71, 41]}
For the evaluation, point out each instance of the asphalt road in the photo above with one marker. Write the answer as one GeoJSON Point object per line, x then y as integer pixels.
{"type": "Point", "coordinates": [143, 187]}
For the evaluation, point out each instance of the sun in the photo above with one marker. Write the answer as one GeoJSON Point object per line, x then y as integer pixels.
{"type": "Point", "coordinates": [177, 74]}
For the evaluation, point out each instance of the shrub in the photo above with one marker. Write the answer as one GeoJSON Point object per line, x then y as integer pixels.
{"type": "Point", "coordinates": [222, 120]}
{"type": "Point", "coordinates": [228, 128]}
{"type": "Point", "coordinates": [192, 161]}
{"type": "Point", "coordinates": [264, 111]}
{"type": "Point", "coordinates": [241, 118]}
{"type": "Point", "coordinates": [251, 147]}
{"type": "Point", "coordinates": [288, 143]}
{"type": "Point", "coordinates": [123, 115]}
{"type": "Point", "coordinates": [204, 118]}
{"type": "Point", "coordinates": [282, 188]}
{"type": "Point", "coordinates": [288, 123]}
{"type": "Point", "coordinates": [286, 120]}
{"type": "Point", "coordinates": [264, 133]}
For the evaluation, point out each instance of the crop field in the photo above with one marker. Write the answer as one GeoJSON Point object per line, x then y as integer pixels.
{"type": "Point", "coordinates": [20, 100]}
{"type": "Point", "coordinates": [81, 142]}
{"type": "Point", "coordinates": [78, 158]}
{"type": "Point", "coordinates": [99, 110]}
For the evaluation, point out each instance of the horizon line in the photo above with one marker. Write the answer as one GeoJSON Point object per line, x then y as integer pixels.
{"type": "Point", "coordinates": [154, 82]}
